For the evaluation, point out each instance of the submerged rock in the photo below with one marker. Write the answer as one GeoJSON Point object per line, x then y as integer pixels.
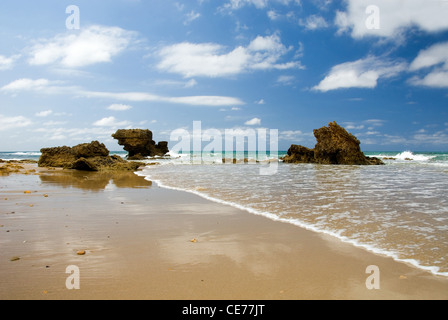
{"type": "Point", "coordinates": [334, 146]}
{"type": "Point", "coordinates": [92, 156]}
{"type": "Point", "coordinates": [140, 144]}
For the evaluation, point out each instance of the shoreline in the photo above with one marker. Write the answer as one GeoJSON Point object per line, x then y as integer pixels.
{"type": "Point", "coordinates": [275, 218]}
{"type": "Point", "coordinates": [138, 239]}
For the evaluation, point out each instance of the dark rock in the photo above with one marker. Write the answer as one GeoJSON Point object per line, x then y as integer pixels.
{"type": "Point", "coordinates": [299, 154]}
{"type": "Point", "coordinates": [90, 150]}
{"type": "Point", "coordinates": [59, 157]}
{"type": "Point", "coordinates": [139, 144]}
{"type": "Point", "coordinates": [84, 165]}
{"type": "Point", "coordinates": [334, 146]}
{"type": "Point", "coordinates": [92, 156]}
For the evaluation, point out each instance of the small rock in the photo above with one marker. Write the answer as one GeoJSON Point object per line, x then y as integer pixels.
{"type": "Point", "coordinates": [194, 240]}
{"type": "Point", "coordinates": [14, 259]}
{"type": "Point", "coordinates": [403, 277]}
{"type": "Point", "coordinates": [27, 192]}
{"type": "Point", "coordinates": [81, 252]}
{"type": "Point", "coordinates": [45, 195]}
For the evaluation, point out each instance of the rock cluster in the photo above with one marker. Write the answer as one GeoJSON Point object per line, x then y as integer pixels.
{"type": "Point", "coordinates": [140, 144]}
{"type": "Point", "coordinates": [334, 146]}
{"type": "Point", "coordinates": [92, 156]}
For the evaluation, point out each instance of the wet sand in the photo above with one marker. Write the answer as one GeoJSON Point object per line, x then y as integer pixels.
{"type": "Point", "coordinates": [138, 244]}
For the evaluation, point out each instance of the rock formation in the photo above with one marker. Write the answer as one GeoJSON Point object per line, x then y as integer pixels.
{"type": "Point", "coordinates": [139, 144]}
{"type": "Point", "coordinates": [334, 146]}
{"type": "Point", "coordinates": [92, 156]}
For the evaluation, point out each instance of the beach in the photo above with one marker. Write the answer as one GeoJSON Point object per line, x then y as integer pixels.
{"type": "Point", "coordinates": [141, 241]}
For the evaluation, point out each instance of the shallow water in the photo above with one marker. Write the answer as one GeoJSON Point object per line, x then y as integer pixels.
{"type": "Point", "coordinates": [399, 210]}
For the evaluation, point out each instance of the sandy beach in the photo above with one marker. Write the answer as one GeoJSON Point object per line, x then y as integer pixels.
{"type": "Point", "coordinates": [144, 242]}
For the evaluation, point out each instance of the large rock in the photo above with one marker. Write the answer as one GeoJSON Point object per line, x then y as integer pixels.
{"type": "Point", "coordinates": [139, 143]}
{"type": "Point", "coordinates": [334, 146]}
{"type": "Point", "coordinates": [92, 156]}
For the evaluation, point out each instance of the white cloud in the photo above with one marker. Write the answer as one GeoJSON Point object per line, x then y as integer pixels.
{"type": "Point", "coordinates": [191, 83]}
{"type": "Point", "coordinates": [185, 84]}
{"type": "Point", "coordinates": [111, 122]}
{"type": "Point", "coordinates": [119, 107]}
{"type": "Point", "coordinates": [435, 57]}
{"type": "Point", "coordinates": [237, 4]}
{"type": "Point", "coordinates": [353, 126]}
{"type": "Point", "coordinates": [375, 122]}
{"type": "Point", "coordinates": [74, 136]}
{"type": "Point", "coordinates": [7, 63]}
{"type": "Point", "coordinates": [437, 138]}
{"type": "Point", "coordinates": [370, 125]}
{"type": "Point", "coordinates": [291, 135]}
{"type": "Point", "coordinates": [26, 85]}
{"type": "Point", "coordinates": [363, 73]}
{"type": "Point", "coordinates": [261, 101]}
{"type": "Point", "coordinates": [44, 114]}
{"type": "Point", "coordinates": [94, 44]}
{"type": "Point", "coordinates": [7, 123]}
{"type": "Point", "coordinates": [179, 6]}
{"type": "Point", "coordinates": [286, 80]}
{"type": "Point", "coordinates": [41, 86]}
{"type": "Point", "coordinates": [253, 122]}
{"type": "Point", "coordinates": [46, 87]}
{"type": "Point", "coordinates": [395, 17]}
{"type": "Point", "coordinates": [259, 4]}
{"type": "Point", "coordinates": [314, 22]}
{"type": "Point", "coordinates": [435, 79]}
{"type": "Point", "coordinates": [54, 123]}
{"type": "Point", "coordinates": [212, 60]}
{"type": "Point", "coordinates": [193, 15]}
{"type": "Point", "coordinates": [273, 15]}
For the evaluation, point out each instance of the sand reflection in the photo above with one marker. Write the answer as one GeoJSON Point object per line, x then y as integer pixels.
{"type": "Point", "coordinates": [95, 181]}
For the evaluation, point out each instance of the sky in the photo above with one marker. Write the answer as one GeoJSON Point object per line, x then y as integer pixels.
{"type": "Point", "coordinates": [76, 71]}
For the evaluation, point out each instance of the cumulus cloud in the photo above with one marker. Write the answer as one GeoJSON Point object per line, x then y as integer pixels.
{"type": "Point", "coordinates": [363, 73]}
{"type": "Point", "coordinates": [94, 44]}
{"type": "Point", "coordinates": [7, 63]}
{"type": "Point", "coordinates": [253, 122]}
{"type": "Point", "coordinates": [314, 22]}
{"type": "Point", "coordinates": [395, 17]}
{"type": "Point", "coordinates": [212, 60]}
{"type": "Point", "coordinates": [119, 107]}
{"type": "Point", "coordinates": [434, 59]}
{"type": "Point", "coordinates": [111, 122]}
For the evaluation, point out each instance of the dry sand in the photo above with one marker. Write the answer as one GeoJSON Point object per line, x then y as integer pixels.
{"type": "Point", "coordinates": [138, 244]}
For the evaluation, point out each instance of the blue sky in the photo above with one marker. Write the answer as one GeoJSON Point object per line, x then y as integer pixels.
{"type": "Point", "coordinates": [291, 65]}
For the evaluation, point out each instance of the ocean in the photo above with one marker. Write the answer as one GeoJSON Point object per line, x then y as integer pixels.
{"type": "Point", "coordinates": [399, 210]}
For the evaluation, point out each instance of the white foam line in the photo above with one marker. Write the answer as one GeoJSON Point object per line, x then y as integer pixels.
{"type": "Point", "coordinates": [433, 269]}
